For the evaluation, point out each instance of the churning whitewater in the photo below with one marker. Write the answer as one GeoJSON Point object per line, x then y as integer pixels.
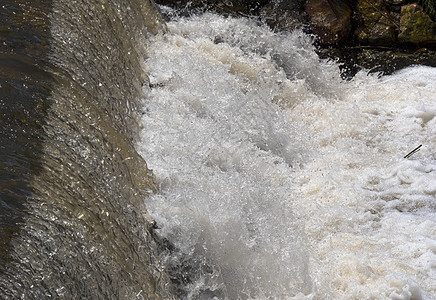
{"type": "Point", "coordinates": [279, 180]}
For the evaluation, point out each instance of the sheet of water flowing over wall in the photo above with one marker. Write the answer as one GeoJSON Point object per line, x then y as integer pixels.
{"type": "Point", "coordinates": [280, 181]}
{"type": "Point", "coordinates": [73, 223]}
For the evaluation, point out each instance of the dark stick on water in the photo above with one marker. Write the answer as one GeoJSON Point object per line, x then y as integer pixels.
{"type": "Point", "coordinates": [413, 151]}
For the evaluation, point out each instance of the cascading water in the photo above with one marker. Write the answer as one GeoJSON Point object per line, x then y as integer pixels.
{"type": "Point", "coordinates": [277, 179]}
{"type": "Point", "coordinates": [72, 220]}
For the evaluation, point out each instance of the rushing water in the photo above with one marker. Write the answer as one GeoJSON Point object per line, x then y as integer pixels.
{"type": "Point", "coordinates": [277, 179]}
{"type": "Point", "coordinates": [72, 219]}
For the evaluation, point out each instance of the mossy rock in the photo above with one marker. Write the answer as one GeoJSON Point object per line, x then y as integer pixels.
{"type": "Point", "coordinates": [377, 25]}
{"type": "Point", "coordinates": [429, 7]}
{"type": "Point", "coordinates": [416, 26]}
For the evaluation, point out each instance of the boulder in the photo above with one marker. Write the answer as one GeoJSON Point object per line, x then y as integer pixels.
{"type": "Point", "coordinates": [377, 24]}
{"type": "Point", "coordinates": [330, 20]}
{"type": "Point", "coordinates": [416, 27]}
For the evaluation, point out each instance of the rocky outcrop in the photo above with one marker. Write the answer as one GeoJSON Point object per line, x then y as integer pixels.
{"type": "Point", "coordinates": [371, 22]}
{"type": "Point", "coordinates": [386, 35]}
{"type": "Point", "coordinates": [393, 22]}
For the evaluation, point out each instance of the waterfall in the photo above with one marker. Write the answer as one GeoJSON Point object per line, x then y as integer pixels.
{"type": "Point", "coordinates": [278, 180]}
{"type": "Point", "coordinates": [74, 223]}
{"type": "Point", "coordinates": [207, 157]}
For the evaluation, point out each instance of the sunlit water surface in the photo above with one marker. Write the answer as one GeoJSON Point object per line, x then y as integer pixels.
{"type": "Point", "coordinates": [278, 180]}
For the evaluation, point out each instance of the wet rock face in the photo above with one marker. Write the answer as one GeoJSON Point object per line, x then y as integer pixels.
{"type": "Point", "coordinates": [416, 26]}
{"type": "Point", "coordinates": [330, 19]}
{"type": "Point", "coordinates": [245, 6]}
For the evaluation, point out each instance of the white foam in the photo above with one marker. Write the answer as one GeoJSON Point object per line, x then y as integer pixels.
{"type": "Point", "coordinates": [286, 181]}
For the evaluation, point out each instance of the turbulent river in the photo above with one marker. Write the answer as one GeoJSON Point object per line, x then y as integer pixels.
{"type": "Point", "coordinates": [272, 178]}
{"type": "Point", "coordinates": [279, 180]}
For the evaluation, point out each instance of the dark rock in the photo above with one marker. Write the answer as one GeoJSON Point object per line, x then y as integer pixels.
{"type": "Point", "coordinates": [416, 26]}
{"type": "Point", "coordinates": [284, 15]}
{"type": "Point", "coordinates": [377, 25]}
{"type": "Point", "coordinates": [330, 20]}
{"type": "Point", "coordinates": [396, 2]}
{"type": "Point", "coordinates": [387, 62]}
{"type": "Point", "coordinates": [429, 7]}
{"type": "Point", "coordinates": [381, 60]}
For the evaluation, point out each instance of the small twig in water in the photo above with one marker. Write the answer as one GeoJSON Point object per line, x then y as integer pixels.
{"type": "Point", "coordinates": [413, 151]}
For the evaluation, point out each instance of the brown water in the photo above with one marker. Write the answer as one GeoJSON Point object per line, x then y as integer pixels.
{"type": "Point", "coordinates": [72, 219]}
{"type": "Point", "coordinates": [24, 89]}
